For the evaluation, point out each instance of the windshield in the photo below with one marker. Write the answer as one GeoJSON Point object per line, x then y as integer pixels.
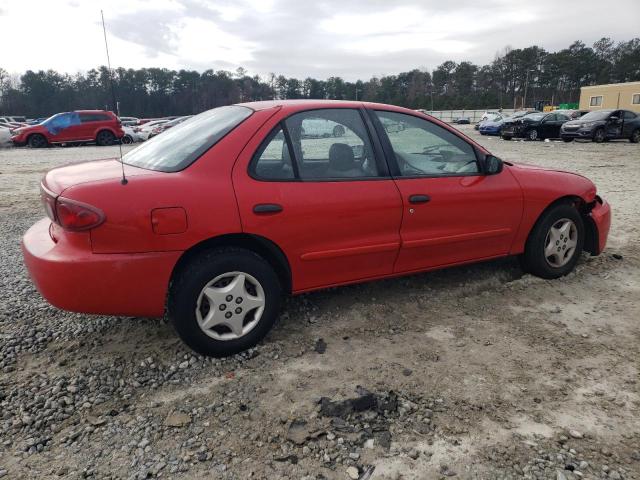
{"type": "Point", "coordinates": [180, 146]}
{"type": "Point", "coordinates": [600, 115]}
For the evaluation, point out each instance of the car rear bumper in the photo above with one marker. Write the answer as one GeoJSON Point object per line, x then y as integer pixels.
{"type": "Point", "coordinates": [601, 216]}
{"type": "Point", "coordinates": [71, 277]}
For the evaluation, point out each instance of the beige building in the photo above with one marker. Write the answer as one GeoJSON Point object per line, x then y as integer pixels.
{"type": "Point", "coordinates": [614, 95]}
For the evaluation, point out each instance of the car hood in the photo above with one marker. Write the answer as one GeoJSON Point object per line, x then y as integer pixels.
{"type": "Point", "coordinates": [59, 179]}
{"type": "Point", "coordinates": [580, 121]}
{"type": "Point", "coordinates": [491, 124]}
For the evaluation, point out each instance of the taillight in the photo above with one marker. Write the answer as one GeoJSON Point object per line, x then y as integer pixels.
{"type": "Point", "coordinates": [77, 216]}
{"type": "Point", "coordinates": [49, 202]}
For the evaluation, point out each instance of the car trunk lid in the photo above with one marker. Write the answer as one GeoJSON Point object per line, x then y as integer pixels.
{"type": "Point", "coordinates": [59, 179]}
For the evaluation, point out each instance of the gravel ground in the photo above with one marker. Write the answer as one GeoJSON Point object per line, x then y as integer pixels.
{"type": "Point", "coordinates": [473, 372]}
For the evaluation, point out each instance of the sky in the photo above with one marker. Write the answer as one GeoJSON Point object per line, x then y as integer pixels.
{"type": "Point", "coordinates": [354, 39]}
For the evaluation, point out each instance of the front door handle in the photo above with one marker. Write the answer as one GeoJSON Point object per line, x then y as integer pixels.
{"type": "Point", "coordinates": [265, 208]}
{"type": "Point", "coordinates": [419, 198]}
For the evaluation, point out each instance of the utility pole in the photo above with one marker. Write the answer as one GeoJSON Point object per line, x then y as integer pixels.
{"type": "Point", "coordinates": [526, 87]}
{"type": "Point", "coordinates": [356, 92]}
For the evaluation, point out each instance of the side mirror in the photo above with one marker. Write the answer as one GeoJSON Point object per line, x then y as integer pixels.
{"type": "Point", "coordinates": [492, 165]}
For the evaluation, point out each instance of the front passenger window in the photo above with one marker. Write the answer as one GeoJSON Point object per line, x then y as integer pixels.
{"type": "Point", "coordinates": [422, 148]}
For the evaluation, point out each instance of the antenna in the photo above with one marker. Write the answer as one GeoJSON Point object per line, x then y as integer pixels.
{"type": "Point", "coordinates": [116, 105]}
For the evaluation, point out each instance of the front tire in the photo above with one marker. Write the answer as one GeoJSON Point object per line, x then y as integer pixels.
{"type": "Point", "coordinates": [37, 141]}
{"type": "Point", "coordinates": [224, 301]}
{"type": "Point", "coordinates": [599, 136]}
{"type": "Point", "coordinates": [532, 135]}
{"type": "Point", "coordinates": [555, 243]}
{"type": "Point", "coordinates": [105, 138]}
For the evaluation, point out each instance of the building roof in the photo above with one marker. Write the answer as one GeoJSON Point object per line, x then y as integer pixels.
{"type": "Point", "coordinates": [608, 85]}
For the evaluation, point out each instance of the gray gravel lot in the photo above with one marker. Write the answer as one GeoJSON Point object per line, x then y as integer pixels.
{"type": "Point", "coordinates": [473, 372]}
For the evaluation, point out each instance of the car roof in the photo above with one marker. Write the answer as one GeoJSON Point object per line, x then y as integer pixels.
{"type": "Point", "coordinates": [317, 104]}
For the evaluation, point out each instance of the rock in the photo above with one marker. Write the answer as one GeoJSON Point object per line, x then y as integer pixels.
{"type": "Point", "coordinates": [615, 475]}
{"type": "Point", "coordinates": [369, 443]}
{"type": "Point", "coordinates": [321, 346]}
{"type": "Point", "coordinates": [96, 421]}
{"type": "Point", "coordinates": [560, 475]}
{"type": "Point", "coordinates": [407, 372]}
{"type": "Point", "coordinates": [3, 473]}
{"type": "Point", "coordinates": [352, 473]}
{"type": "Point", "coordinates": [414, 453]}
{"type": "Point", "coordinates": [177, 419]}
{"type": "Point", "coordinates": [575, 434]}
{"type": "Point", "coordinates": [299, 432]}
{"type": "Point", "coordinates": [183, 365]}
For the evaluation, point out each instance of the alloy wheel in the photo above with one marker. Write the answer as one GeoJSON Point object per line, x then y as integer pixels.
{"type": "Point", "coordinates": [560, 243]}
{"type": "Point", "coordinates": [230, 306]}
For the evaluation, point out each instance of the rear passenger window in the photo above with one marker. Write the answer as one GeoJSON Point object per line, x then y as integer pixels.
{"type": "Point", "coordinates": [93, 117]}
{"type": "Point", "coordinates": [331, 144]}
{"type": "Point", "coordinates": [629, 115]}
{"type": "Point", "coordinates": [272, 160]}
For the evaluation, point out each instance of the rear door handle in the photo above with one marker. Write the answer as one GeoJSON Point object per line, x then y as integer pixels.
{"type": "Point", "coordinates": [264, 208]}
{"type": "Point", "coordinates": [419, 198]}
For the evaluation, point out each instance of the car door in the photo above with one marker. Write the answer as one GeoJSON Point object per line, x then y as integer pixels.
{"type": "Point", "coordinates": [327, 202]}
{"type": "Point", "coordinates": [452, 212]}
{"type": "Point", "coordinates": [613, 127]}
{"type": "Point", "coordinates": [629, 123]}
{"type": "Point", "coordinates": [559, 120]}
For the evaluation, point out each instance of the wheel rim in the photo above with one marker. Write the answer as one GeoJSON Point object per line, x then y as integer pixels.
{"type": "Point", "coordinates": [104, 138]}
{"type": "Point", "coordinates": [599, 135]}
{"type": "Point", "coordinates": [230, 306]}
{"type": "Point", "coordinates": [37, 141]}
{"type": "Point", "coordinates": [561, 243]}
{"type": "Point", "coordinates": [533, 134]}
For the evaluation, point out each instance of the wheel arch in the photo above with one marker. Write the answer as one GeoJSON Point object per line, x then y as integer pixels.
{"type": "Point", "coordinates": [264, 247]}
{"type": "Point", "coordinates": [584, 208]}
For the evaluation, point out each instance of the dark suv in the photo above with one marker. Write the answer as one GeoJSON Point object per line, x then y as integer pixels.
{"type": "Point", "coordinates": [535, 126]}
{"type": "Point", "coordinates": [603, 125]}
{"type": "Point", "coordinates": [83, 126]}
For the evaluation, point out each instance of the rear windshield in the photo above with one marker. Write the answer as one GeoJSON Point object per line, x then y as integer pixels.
{"type": "Point", "coordinates": [180, 146]}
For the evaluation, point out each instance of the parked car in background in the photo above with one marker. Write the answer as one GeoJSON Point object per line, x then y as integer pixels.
{"type": "Point", "coordinates": [129, 121]}
{"type": "Point", "coordinates": [145, 130]}
{"type": "Point", "coordinates": [130, 135]}
{"type": "Point", "coordinates": [493, 126]}
{"type": "Point", "coordinates": [486, 116]}
{"type": "Point", "coordinates": [572, 114]}
{"type": "Point", "coordinates": [158, 129]}
{"type": "Point", "coordinates": [461, 120]}
{"type": "Point", "coordinates": [601, 125]}
{"type": "Point", "coordinates": [36, 121]}
{"type": "Point", "coordinates": [82, 126]}
{"type": "Point", "coordinates": [224, 214]}
{"type": "Point", "coordinates": [535, 126]}
{"type": "Point", "coordinates": [5, 137]}
{"type": "Point", "coordinates": [322, 128]}
{"type": "Point", "coordinates": [13, 119]}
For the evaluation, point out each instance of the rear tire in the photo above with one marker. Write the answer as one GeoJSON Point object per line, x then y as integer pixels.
{"type": "Point", "coordinates": [105, 138]}
{"type": "Point", "coordinates": [37, 141]}
{"type": "Point", "coordinates": [505, 138]}
{"type": "Point", "coordinates": [189, 309]}
{"type": "Point", "coordinates": [567, 140]}
{"type": "Point", "coordinates": [338, 131]}
{"type": "Point", "coordinates": [635, 136]}
{"type": "Point", "coordinates": [555, 243]}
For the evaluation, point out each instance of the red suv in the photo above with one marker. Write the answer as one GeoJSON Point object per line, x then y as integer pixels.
{"type": "Point", "coordinates": [81, 126]}
{"type": "Point", "coordinates": [221, 215]}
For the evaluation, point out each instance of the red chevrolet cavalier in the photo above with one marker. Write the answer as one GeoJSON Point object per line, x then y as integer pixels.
{"type": "Point", "coordinates": [223, 214]}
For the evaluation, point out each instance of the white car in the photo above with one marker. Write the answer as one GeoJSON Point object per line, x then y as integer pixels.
{"type": "Point", "coordinates": [130, 135]}
{"type": "Point", "coordinates": [145, 130]}
{"type": "Point", "coordinates": [5, 137]}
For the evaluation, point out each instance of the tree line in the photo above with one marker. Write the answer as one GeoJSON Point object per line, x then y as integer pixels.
{"type": "Point", "coordinates": [516, 77]}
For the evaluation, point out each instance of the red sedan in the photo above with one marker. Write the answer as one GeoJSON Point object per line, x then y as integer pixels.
{"type": "Point", "coordinates": [82, 126]}
{"type": "Point", "coordinates": [223, 214]}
